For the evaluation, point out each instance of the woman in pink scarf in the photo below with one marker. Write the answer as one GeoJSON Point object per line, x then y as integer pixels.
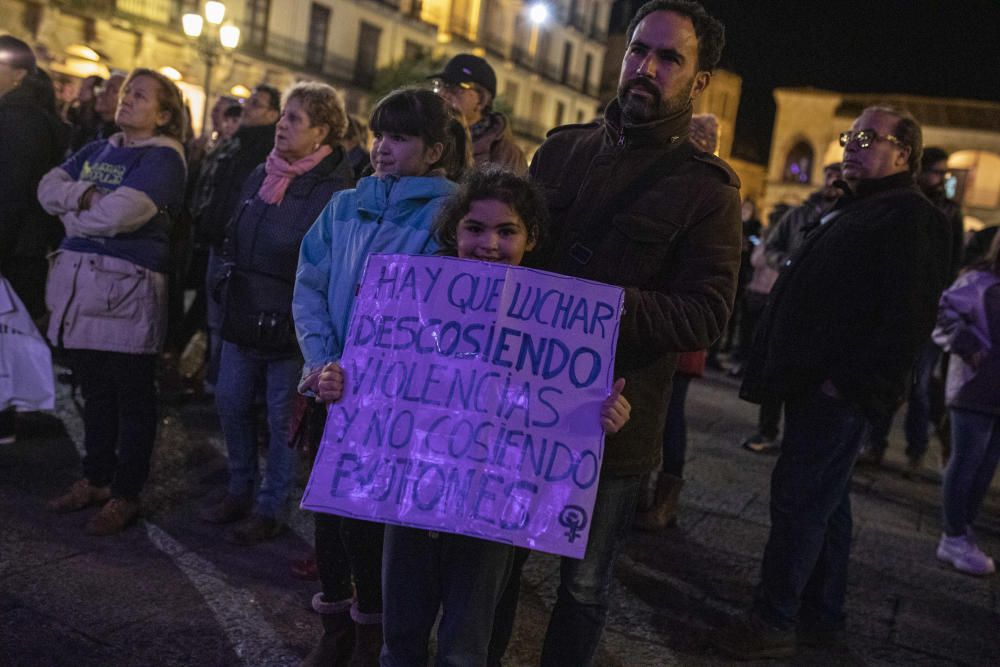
{"type": "Point", "coordinates": [279, 203]}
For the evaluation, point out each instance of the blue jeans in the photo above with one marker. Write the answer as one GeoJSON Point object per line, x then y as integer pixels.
{"type": "Point", "coordinates": [975, 438]}
{"type": "Point", "coordinates": [581, 608]}
{"type": "Point", "coordinates": [804, 571]}
{"type": "Point", "coordinates": [424, 571]}
{"type": "Point", "coordinates": [240, 376]}
{"type": "Point", "coordinates": [918, 407]}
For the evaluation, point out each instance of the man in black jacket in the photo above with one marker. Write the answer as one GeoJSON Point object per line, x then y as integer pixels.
{"type": "Point", "coordinates": [920, 402]}
{"type": "Point", "coordinates": [232, 163]}
{"type": "Point", "coordinates": [633, 203]}
{"type": "Point", "coordinates": [846, 319]}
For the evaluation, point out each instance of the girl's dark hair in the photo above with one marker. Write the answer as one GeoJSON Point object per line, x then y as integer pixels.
{"type": "Point", "coordinates": [492, 182]}
{"type": "Point", "coordinates": [417, 112]}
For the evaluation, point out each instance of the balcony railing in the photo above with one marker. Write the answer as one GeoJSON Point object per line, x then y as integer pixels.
{"type": "Point", "coordinates": [293, 53]}
{"type": "Point", "coordinates": [549, 70]}
{"type": "Point", "coordinates": [529, 128]}
{"type": "Point", "coordinates": [155, 12]}
{"type": "Point", "coordinates": [495, 45]}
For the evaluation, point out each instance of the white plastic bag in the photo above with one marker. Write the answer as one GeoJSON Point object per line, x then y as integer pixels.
{"type": "Point", "coordinates": [26, 381]}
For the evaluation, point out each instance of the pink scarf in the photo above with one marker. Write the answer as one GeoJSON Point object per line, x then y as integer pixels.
{"type": "Point", "coordinates": [280, 173]}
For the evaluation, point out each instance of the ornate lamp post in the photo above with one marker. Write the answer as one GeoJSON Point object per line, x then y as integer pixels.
{"type": "Point", "coordinates": [211, 42]}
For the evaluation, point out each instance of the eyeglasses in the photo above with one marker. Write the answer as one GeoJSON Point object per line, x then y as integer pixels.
{"type": "Point", "coordinates": [440, 86]}
{"type": "Point", "coordinates": [866, 138]}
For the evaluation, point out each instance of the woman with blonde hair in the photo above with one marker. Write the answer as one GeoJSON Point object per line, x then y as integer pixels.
{"type": "Point", "coordinates": [107, 289]}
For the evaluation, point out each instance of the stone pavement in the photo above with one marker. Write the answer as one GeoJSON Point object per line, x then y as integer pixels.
{"type": "Point", "coordinates": [170, 591]}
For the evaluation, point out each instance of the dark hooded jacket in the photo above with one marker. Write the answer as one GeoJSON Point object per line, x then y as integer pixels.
{"type": "Point", "coordinates": [32, 141]}
{"type": "Point", "coordinates": [252, 146]}
{"type": "Point", "coordinates": [674, 247]}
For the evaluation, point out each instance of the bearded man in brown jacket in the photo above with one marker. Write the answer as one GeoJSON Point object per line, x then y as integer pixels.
{"type": "Point", "coordinates": [635, 204]}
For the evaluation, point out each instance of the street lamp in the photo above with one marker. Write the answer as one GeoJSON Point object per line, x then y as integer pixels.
{"type": "Point", "coordinates": [209, 42]}
{"type": "Point", "coordinates": [538, 15]}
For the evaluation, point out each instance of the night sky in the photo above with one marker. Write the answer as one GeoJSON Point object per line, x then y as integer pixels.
{"type": "Point", "coordinates": [924, 47]}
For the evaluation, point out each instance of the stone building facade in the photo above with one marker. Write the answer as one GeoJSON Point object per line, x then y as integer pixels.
{"type": "Point", "coordinates": [548, 73]}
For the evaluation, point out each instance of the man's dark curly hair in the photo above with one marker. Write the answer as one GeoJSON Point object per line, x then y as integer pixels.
{"type": "Point", "coordinates": [492, 182]}
{"type": "Point", "coordinates": [709, 30]}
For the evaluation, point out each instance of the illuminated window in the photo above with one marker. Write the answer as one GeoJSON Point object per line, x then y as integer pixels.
{"type": "Point", "coordinates": [798, 164]}
{"type": "Point", "coordinates": [367, 55]}
{"type": "Point", "coordinates": [319, 25]}
{"type": "Point", "coordinates": [257, 12]}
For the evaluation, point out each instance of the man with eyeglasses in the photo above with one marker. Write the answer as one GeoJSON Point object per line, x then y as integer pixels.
{"type": "Point", "coordinates": [920, 404]}
{"type": "Point", "coordinates": [469, 85]}
{"type": "Point", "coordinates": [848, 314]}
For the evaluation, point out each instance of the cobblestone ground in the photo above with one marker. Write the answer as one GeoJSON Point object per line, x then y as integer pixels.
{"type": "Point", "coordinates": [170, 591]}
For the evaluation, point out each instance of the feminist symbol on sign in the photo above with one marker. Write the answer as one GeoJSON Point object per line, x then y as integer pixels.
{"type": "Point", "coordinates": [573, 517]}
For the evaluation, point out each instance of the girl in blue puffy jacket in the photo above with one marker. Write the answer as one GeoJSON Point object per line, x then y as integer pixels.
{"type": "Point", "coordinates": [389, 212]}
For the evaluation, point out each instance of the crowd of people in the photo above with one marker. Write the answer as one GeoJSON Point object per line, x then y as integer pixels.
{"type": "Point", "coordinates": [111, 211]}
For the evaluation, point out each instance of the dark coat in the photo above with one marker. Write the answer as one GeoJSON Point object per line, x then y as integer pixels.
{"type": "Point", "coordinates": [32, 141]}
{"type": "Point", "coordinates": [790, 231]}
{"type": "Point", "coordinates": [230, 175]}
{"type": "Point", "coordinates": [263, 240]}
{"type": "Point", "coordinates": [857, 301]}
{"type": "Point", "coordinates": [675, 248]}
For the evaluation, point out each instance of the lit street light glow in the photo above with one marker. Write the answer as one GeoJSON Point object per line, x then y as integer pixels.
{"type": "Point", "coordinates": [538, 13]}
{"type": "Point", "coordinates": [214, 12]}
{"type": "Point", "coordinates": [193, 24]}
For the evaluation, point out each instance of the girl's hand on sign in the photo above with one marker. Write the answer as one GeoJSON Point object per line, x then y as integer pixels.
{"type": "Point", "coordinates": [330, 387]}
{"type": "Point", "coordinates": [616, 409]}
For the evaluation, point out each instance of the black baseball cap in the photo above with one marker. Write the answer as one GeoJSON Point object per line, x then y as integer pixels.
{"type": "Point", "coordinates": [467, 68]}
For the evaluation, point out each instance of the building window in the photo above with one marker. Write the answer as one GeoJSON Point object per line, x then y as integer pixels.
{"type": "Point", "coordinates": [414, 51]}
{"type": "Point", "coordinates": [319, 27]}
{"type": "Point", "coordinates": [367, 57]}
{"type": "Point", "coordinates": [588, 65]}
{"type": "Point", "coordinates": [579, 116]}
{"type": "Point", "coordinates": [537, 104]}
{"type": "Point", "coordinates": [510, 91]}
{"type": "Point", "coordinates": [257, 12]}
{"type": "Point", "coordinates": [560, 113]}
{"type": "Point", "coordinates": [596, 29]}
{"type": "Point", "coordinates": [461, 15]}
{"type": "Point", "coordinates": [567, 62]}
{"type": "Point", "coordinates": [798, 164]}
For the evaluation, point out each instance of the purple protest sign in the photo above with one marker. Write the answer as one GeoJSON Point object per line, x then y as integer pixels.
{"type": "Point", "coordinates": [472, 402]}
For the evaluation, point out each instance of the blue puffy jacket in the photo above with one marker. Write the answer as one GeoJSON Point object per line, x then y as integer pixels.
{"type": "Point", "coordinates": [382, 215]}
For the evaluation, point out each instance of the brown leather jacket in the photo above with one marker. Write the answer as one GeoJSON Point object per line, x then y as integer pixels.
{"type": "Point", "coordinates": [675, 248]}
